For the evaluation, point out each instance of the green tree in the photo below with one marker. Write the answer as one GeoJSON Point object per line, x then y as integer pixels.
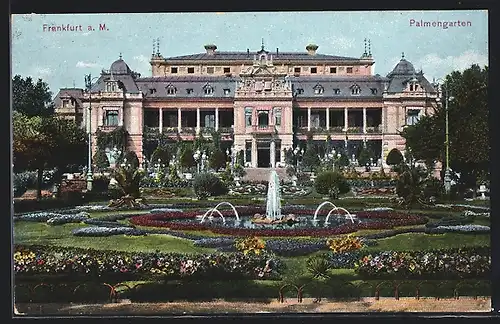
{"type": "Point", "coordinates": [40, 143]}
{"type": "Point", "coordinates": [364, 156]}
{"type": "Point", "coordinates": [310, 160]}
{"type": "Point", "coordinates": [161, 153]}
{"type": "Point", "coordinates": [100, 160]}
{"type": "Point", "coordinates": [217, 160]}
{"type": "Point", "coordinates": [394, 157]}
{"type": "Point", "coordinates": [468, 120]}
{"type": "Point", "coordinates": [30, 98]}
{"type": "Point", "coordinates": [186, 159]}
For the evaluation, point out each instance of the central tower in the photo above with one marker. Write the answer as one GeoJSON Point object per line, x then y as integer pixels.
{"type": "Point", "coordinates": [262, 104]}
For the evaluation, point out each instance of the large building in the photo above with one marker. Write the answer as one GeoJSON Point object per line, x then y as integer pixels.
{"type": "Point", "coordinates": [262, 102]}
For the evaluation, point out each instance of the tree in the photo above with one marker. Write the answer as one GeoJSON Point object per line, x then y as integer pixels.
{"type": "Point", "coordinates": [364, 155]}
{"type": "Point", "coordinates": [468, 127]}
{"type": "Point", "coordinates": [100, 160]}
{"type": "Point", "coordinates": [217, 160]}
{"type": "Point", "coordinates": [310, 160]}
{"type": "Point", "coordinates": [187, 159]}
{"type": "Point", "coordinates": [394, 157]}
{"type": "Point", "coordinates": [160, 153]}
{"type": "Point", "coordinates": [47, 142]}
{"type": "Point", "coordinates": [30, 98]}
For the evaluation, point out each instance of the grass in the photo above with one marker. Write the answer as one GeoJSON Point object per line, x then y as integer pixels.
{"type": "Point", "coordinates": [42, 234]}
{"type": "Point", "coordinates": [420, 241]}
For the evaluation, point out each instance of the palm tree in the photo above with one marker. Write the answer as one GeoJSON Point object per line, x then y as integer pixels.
{"type": "Point", "coordinates": [128, 179]}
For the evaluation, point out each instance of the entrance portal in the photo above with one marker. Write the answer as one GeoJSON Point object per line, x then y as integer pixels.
{"type": "Point", "coordinates": [263, 154]}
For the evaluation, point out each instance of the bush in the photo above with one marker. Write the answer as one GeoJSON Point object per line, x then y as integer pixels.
{"type": "Point", "coordinates": [318, 266]}
{"type": "Point", "coordinates": [345, 244]}
{"type": "Point", "coordinates": [100, 184]}
{"type": "Point", "coordinates": [394, 157]}
{"type": "Point", "coordinates": [433, 187]}
{"type": "Point", "coordinates": [217, 160]}
{"type": "Point", "coordinates": [250, 245]}
{"type": "Point", "coordinates": [100, 160]}
{"type": "Point", "coordinates": [20, 183]}
{"type": "Point", "coordinates": [208, 185]}
{"type": "Point", "coordinates": [331, 183]}
{"type": "Point", "coordinates": [130, 158]}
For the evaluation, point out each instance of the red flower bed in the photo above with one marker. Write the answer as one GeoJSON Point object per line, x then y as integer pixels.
{"type": "Point", "coordinates": [388, 220]}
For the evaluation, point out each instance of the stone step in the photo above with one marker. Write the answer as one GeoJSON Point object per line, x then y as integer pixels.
{"type": "Point", "coordinates": [262, 174]}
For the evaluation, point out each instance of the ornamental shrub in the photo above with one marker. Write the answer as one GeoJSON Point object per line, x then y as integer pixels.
{"type": "Point", "coordinates": [318, 266]}
{"type": "Point", "coordinates": [331, 183]}
{"type": "Point", "coordinates": [252, 245]}
{"type": "Point", "coordinates": [344, 244]}
{"type": "Point", "coordinates": [20, 183]}
{"type": "Point", "coordinates": [208, 185]}
{"type": "Point", "coordinates": [100, 159]}
{"type": "Point", "coordinates": [217, 160]}
{"type": "Point", "coordinates": [394, 157]}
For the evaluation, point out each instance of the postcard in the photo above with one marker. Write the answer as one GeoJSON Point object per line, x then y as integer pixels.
{"type": "Point", "coordinates": [250, 162]}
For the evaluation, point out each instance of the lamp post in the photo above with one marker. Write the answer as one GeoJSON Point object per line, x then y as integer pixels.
{"type": "Point", "coordinates": [447, 173]}
{"type": "Point", "coordinates": [88, 86]}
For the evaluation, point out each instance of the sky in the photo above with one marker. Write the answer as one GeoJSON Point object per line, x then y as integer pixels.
{"type": "Point", "coordinates": [62, 58]}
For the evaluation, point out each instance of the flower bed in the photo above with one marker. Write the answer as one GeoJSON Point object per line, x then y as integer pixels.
{"type": "Point", "coordinates": [446, 264]}
{"type": "Point", "coordinates": [52, 218]}
{"type": "Point", "coordinates": [470, 229]}
{"type": "Point", "coordinates": [252, 189]}
{"type": "Point", "coordinates": [388, 220]}
{"type": "Point", "coordinates": [87, 263]}
{"type": "Point", "coordinates": [94, 231]}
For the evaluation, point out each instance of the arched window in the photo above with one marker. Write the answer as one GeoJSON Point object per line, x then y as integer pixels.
{"type": "Point", "coordinates": [208, 90]}
{"type": "Point", "coordinates": [318, 89]}
{"type": "Point", "coordinates": [355, 90]}
{"type": "Point", "coordinates": [171, 90]}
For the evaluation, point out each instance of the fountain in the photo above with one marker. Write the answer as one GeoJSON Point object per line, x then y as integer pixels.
{"type": "Point", "coordinates": [212, 210]}
{"type": "Point", "coordinates": [273, 205]}
{"type": "Point", "coordinates": [350, 216]}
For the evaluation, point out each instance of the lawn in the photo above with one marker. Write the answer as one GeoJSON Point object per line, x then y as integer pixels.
{"type": "Point", "coordinates": [43, 234]}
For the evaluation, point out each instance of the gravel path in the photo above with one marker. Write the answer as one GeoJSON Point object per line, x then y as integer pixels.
{"type": "Point", "coordinates": [289, 306]}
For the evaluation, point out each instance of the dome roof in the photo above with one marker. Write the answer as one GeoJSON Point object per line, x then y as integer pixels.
{"type": "Point", "coordinates": [403, 68]}
{"type": "Point", "coordinates": [120, 67]}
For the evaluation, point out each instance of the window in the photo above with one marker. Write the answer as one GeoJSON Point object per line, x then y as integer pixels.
{"type": "Point", "coordinates": [412, 116]}
{"type": "Point", "coordinates": [318, 89]}
{"type": "Point", "coordinates": [300, 91]}
{"type": "Point", "coordinates": [111, 118]}
{"type": "Point", "coordinates": [349, 70]}
{"type": "Point", "coordinates": [210, 121]}
{"type": "Point", "coordinates": [227, 70]}
{"type": "Point", "coordinates": [108, 87]}
{"type": "Point", "coordinates": [190, 69]}
{"type": "Point", "coordinates": [227, 92]}
{"type": "Point", "coordinates": [65, 103]}
{"type": "Point", "coordinates": [173, 70]}
{"type": "Point", "coordinates": [314, 70]}
{"type": "Point", "coordinates": [277, 116]}
{"type": "Point", "coordinates": [296, 70]}
{"type": "Point", "coordinates": [210, 70]}
{"type": "Point", "coordinates": [248, 116]}
{"type": "Point", "coordinates": [374, 91]}
{"type": "Point", "coordinates": [355, 90]}
{"type": "Point", "coordinates": [263, 116]}
{"type": "Point", "coordinates": [189, 90]}
{"type": "Point", "coordinates": [209, 90]}
{"type": "Point", "coordinates": [411, 87]}
{"type": "Point", "coordinates": [336, 91]}
{"type": "Point", "coordinates": [333, 70]}
{"type": "Point", "coordinates": [151, 91]}
{"type": "Point", "coordinates": [171, 90]}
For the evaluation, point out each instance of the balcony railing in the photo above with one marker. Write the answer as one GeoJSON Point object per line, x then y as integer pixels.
{"type": "Point", "coordinates": [373, 129]}
{"type": "Point", "coordinates": [263, 129]}
{"type": "Point", "coordinates": [355, 130]}
{"type": "Point", "coordinates": [337, 129]}
{"type": "Point", "coordinates": [188, 130]}
{"type": "Point", "coordinates": [108, 128]}
{"type": "Point", "coordinates": [226, 130]}
{"type": "Point", "coordinates": [170, 130]}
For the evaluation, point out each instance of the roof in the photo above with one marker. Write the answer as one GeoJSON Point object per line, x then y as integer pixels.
{"type": "Point", "coordinates": [74, 93]}
{"type": "Point", "coordinates": [126, 80]}
{"type": "Point", "coordinates": [248, 56]}
{"type": "Point", "coordinates": [182, 84]}
{"type": "Point", "coordinates": [398, 83]}
{"type": "Point", "coordinates": [343, 84]}
{"type": "Point", "coordinates": [404, 67]}
{"type": "Point", "coordinates": [119, 67]}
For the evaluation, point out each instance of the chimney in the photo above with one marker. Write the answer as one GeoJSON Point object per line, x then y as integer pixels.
{"type": "Point", "coordinates": [248, 52]}
{"type": "Point", "coordinates": [277, 51]}
{"type": "Point", "coordinates": [210, 48]}
{"type": "Point", "coordinates": [311, 49]}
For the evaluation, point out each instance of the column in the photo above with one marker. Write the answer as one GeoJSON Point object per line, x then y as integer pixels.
{"type": "Point", "coordinates": [160, 118]}
{"type": "Point", "coordinates": [309, 118]}
{"type": "Point", "coordinates": [254, 152]}
{"type": "Point", "coordinates": [364, 120]}
{"type": "Point", "coordinates": [272, 151]}
{"type": "Point", "coordinates": [198, 121]}
{"type": "Point", "coordinates": [216, 119]}
{"type": "Point", "coordinates": [179, 120]}
{"type": "Point", "coordinates": [327, 118]}
{"type": "Point", "coordinates": [346, 119]}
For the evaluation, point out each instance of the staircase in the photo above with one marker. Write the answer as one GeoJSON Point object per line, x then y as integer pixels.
{"type": "Point", "coordinates": [262, 174]}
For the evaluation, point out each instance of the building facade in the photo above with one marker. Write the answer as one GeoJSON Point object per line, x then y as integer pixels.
{"type": "Point", "coordinates": [262, 102]}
